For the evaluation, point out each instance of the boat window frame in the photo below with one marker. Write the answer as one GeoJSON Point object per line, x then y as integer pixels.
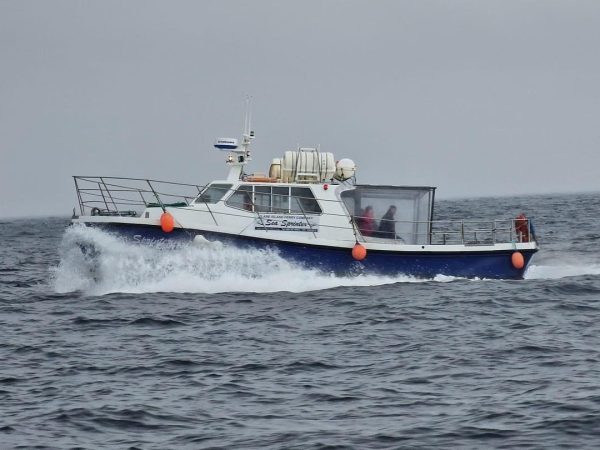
{"type": "Point", "coordinates": [299, 199]}
{"type": "Point", "coordinates": [199, 200]}
{"type": "Point", "coordinates": [288, 211]}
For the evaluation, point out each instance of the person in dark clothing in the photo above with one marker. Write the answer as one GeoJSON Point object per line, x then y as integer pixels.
{"type": "Point", "coordinates": [387, 224]}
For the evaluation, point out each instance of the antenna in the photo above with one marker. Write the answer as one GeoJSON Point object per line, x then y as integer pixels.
{"type": "Point", "coordinates": [239, 155]}
{"type": "Point", "coordinates": [248, 117]}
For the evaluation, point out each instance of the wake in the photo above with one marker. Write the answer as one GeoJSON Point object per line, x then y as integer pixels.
{"type": "Point", "coordinates": [110, 264]}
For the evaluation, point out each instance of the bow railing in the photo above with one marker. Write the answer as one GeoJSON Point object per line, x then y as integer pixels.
{"type": "Point", "coordinates": [116, 196]}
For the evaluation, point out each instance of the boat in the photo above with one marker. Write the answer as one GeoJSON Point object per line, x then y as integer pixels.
{"type": "Point", "coordinates": [309, 209]}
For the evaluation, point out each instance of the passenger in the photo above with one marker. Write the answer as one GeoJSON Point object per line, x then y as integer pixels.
{"type": "Point", "coordinates": [387, 225]}
{"type": "Point", "coordinates": [366, 222]}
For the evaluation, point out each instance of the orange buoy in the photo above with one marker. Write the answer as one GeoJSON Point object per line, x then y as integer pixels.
{"type": "Point", "coordinates": [167, 223]}
{"type": "Point", "coordinates": [517, 259]}
{"type": "Point", "coordinates": [359, 252]}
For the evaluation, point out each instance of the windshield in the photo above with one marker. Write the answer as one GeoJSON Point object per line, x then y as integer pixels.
{"type": "Point", "coordinates": [213, 193]}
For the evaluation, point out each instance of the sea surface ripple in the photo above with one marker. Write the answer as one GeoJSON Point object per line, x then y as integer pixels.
{"type": "Point", "coordinates": [186, 347]}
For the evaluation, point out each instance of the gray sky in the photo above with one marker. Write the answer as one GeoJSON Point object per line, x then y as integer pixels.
{"type": "Point", "coordinates": [475, 97]}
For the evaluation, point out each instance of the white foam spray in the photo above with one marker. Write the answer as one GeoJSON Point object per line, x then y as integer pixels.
{"type": "Point", "coordinates": [112, 264]}
{"type": "Point", "coordinates": [561, 265]}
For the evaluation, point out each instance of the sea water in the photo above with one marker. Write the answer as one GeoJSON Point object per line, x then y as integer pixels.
{"type": "Point", "coordinates": [200, 345]}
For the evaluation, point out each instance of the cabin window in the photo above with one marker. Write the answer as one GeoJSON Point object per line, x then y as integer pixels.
{"type": "Point", "coordinates": [213, 193]}
{"type": "Point", "coordinates": [262, 198]}
{"type": "Point", "coordinates": [241, 198]}
{"type": "Point", "coordinates": [281, 199]}
{"type": "Point", "coordinates": [303, 201]}
{"type": "Point", "coordinates": [274, 199]}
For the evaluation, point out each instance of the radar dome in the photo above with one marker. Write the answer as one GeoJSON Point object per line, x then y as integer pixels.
{"type": "Point", "coordinates": [345, 169]}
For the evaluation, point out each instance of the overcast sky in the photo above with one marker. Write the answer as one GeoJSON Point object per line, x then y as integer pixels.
{"type": "Point", "coordinates": [475, 97]}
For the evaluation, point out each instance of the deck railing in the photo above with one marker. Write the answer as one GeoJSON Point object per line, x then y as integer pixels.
{"type": "Point", "coordinates": [115, 196]}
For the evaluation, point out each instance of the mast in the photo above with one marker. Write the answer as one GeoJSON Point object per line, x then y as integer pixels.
{"type": "Point", "coordinates": [238, 155]}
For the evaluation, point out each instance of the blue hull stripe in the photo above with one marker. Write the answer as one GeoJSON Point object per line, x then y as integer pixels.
{"type": "Point", "coordinates": [475, 264]}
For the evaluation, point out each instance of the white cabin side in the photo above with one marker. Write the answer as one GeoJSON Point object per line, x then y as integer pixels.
{"type": "Point", "coordinates": [267, 210]}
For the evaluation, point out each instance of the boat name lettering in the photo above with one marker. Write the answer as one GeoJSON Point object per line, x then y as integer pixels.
{"type": "Point", "coordinates": [287, 222]}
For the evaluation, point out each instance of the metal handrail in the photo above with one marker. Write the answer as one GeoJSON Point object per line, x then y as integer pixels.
{"type": "Point", "coordinates": [92, 192]}
{"type": "Point", "coordinates": [93, 186]}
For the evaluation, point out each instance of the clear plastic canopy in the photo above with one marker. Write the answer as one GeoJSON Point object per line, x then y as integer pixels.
{"type": "Point", "coordinates": [388, 212]}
